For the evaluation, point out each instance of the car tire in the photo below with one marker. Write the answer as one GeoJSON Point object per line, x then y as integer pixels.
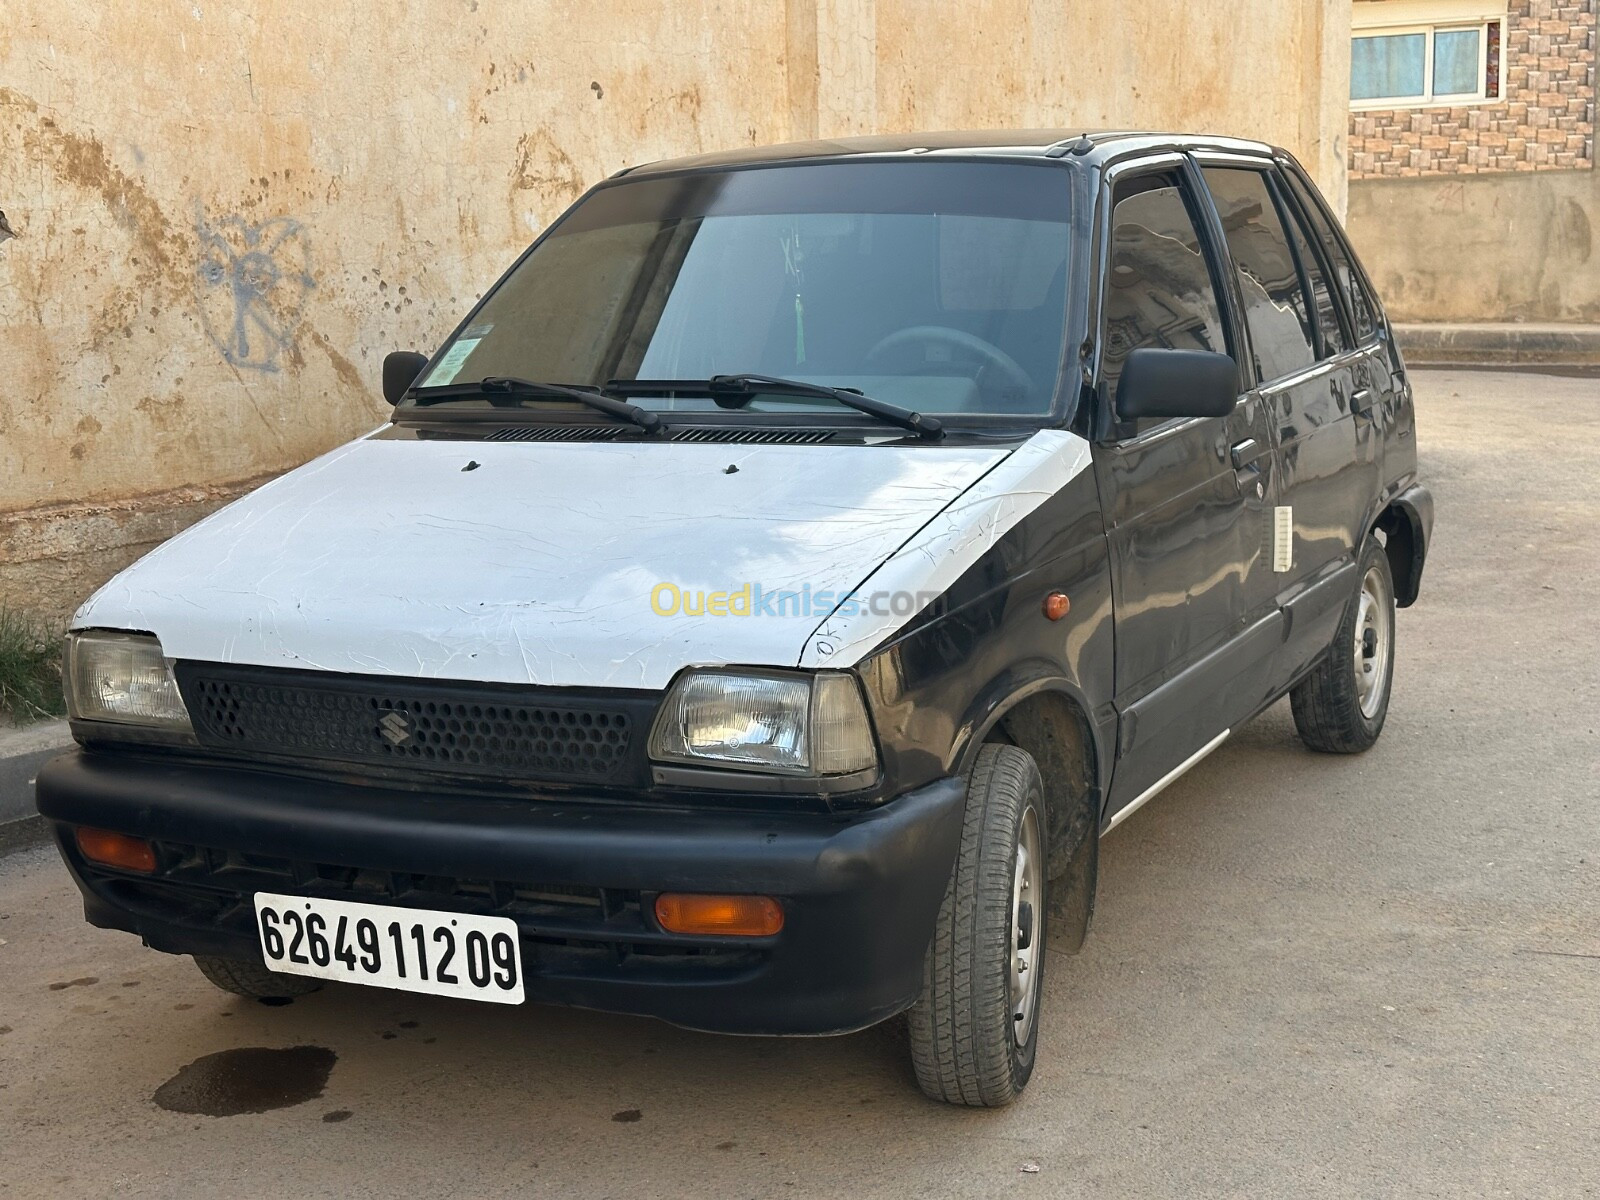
{"type": "Point", "coordinates": [973, 1034]}
{"type": "Point", "coordinates": [1340, 707]}
{"type": "Point", "coordinates": [253, 979]}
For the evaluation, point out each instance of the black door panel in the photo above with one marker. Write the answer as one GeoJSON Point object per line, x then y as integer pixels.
{"type": "Point", "coordinates": [1184, 710]}
{"type": "Point", "coordinates": [1187, 504]}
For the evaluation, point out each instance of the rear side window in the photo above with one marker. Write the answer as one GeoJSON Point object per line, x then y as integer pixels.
{"type": "Point", "coordinates": [1349, 283]}
{"type": "Point", "coordinates": [1326, 308]}
{"type": "Point", "coordinates": [1274, 302]}
{"type": "Point", "coordinates": [1159, 290]}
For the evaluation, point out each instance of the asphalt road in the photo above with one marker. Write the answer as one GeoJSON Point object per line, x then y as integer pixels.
{"type": "Point", "coordinates": [1371, 976]}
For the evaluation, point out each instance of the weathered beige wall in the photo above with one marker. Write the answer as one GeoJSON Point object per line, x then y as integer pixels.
{"type": "Point", "coordinates": [1507, 247]}
{"type": "Point", "coordinates": [230, 212]}
{"type": "Point", "coordinates": [1277, 71]}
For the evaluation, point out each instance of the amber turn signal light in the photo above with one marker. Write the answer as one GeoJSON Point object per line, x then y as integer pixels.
{"type": "Point", "coordinates": [1056, 606]}
{"type": "Point", "coordinates": [724, 916]}
{"type": "Point", "coordinates": [117, 850]}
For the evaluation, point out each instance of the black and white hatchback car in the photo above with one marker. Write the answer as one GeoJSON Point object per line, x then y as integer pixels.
{"type": "Point", "coordinates": [755, 612]}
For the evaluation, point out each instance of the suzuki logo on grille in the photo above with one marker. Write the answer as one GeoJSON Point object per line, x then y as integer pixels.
{"type": "Point", "coordinates": [394, 728]}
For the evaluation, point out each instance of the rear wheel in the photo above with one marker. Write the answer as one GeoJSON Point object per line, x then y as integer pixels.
{"type": "Point", "coordinates": [975, 1028]}
{"type": "Point", "coordinates": [253, 979]}
{"type": "Point", "coordinates": [1340, 707]}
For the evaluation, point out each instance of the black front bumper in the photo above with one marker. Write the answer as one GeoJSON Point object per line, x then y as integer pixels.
{"type": "Point", "coordinates": [859, 892]}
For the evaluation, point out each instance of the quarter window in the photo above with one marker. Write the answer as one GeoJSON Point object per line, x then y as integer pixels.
{"type": "Point", "coordinates": [1274, 303]}
{"type": "Point", "coordinates": [1159, 289]}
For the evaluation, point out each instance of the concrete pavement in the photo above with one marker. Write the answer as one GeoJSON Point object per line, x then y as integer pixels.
{"type": "Point", "coordinates": [1510, 342]}
{"type": "Point", "coordinates": [1309, 976]}
{"type": "Point", "coordinates": [22, 752]}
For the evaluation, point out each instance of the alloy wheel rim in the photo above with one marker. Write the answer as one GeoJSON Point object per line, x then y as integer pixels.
{"type": "Point", "coordinates": [1027, 927]}
{"type": "Point", "coordinates": [1374, 627]}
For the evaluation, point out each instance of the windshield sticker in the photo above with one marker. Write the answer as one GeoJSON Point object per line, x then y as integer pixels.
{"type": "Point", "coordinates": [450, 365]}
{"type": "Point", "coordinates": [480, 330]}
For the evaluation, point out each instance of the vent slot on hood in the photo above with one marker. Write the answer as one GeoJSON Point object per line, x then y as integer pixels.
{"type": "Point", "coordinates": [689, 433]}
{"type": "Point", "coordinates": [555, 433]}
{"type": "Point", "coordinates": [781, 437]}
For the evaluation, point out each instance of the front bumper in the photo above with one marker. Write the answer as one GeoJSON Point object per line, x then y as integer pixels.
{"type": "Point", "coordinates": [860, 892]}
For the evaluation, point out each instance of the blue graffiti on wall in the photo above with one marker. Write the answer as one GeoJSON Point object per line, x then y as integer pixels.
{"type": "Point", "coordinates": [252, 287]}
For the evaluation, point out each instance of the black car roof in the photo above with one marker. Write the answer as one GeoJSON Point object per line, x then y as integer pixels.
{"type": "Point", "coordinates": [1092, 144]}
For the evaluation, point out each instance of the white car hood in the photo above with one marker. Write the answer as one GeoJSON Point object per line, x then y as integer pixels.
{"type": "Point", "coordinates": [537, 564]}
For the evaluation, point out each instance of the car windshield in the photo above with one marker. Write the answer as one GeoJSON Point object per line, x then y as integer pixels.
{"type": "Point", "coordinates": [936, 286]}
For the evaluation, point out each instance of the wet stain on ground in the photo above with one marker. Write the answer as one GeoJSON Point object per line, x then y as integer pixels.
{"type": "Point", "coordinates": [86, 981]}
{"type": "Point", "coordinates": [337, 1115]}
{"type": "Point", "coordinates": [627, 1115]}
{"type": "Point", "coordinates": [248, 1080]}
{"type": "Point", "coordinates": [408, 1024]}
{"type": "Point", "coordinates": [726, 1145]}
{"type": "Point", "coordinates": [388, 1035]}
{"type": "Point", "coordinates": [181, 1007]}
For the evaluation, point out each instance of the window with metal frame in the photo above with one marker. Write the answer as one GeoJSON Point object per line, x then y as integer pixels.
{"type": "Point", "coordinates": [1416, 53]}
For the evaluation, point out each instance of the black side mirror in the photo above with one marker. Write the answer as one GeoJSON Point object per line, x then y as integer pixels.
{"type": "Point", "coordinates": [1176, 383]}
{"type": "Point", "coordinates": [400, 371]}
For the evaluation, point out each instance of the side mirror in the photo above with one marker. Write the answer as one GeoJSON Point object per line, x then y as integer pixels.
{"type": "Point", "coordinates": [1176, 383]}
{"type": "Point", "coordinates": [400, 371]}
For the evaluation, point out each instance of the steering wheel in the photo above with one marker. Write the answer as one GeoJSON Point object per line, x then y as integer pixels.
{"type": "Point", "coordinates": [1014, 377]}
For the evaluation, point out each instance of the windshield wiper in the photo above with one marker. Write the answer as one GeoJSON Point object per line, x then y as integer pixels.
{"type": "Point", "coordinates": [735, 391]}
{"type": "Point", "coordinates": [511, 386]}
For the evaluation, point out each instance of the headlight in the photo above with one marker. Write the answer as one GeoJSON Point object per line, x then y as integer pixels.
{"type": "Point", "coordinates": [122, 677]}
{"type": "Point", "coordinates": [792, 724]}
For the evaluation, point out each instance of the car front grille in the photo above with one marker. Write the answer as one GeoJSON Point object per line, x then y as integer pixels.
{"type": "Point", "coordinates": [506, 732]}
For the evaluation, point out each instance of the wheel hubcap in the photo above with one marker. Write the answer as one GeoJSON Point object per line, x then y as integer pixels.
{"type": "Point", "coordinates": [1374, 627]}
{"type": "Point", "coordinates": [1027, 927]}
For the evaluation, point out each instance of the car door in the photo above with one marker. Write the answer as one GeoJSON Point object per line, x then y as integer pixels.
{"type": "Point", "coordinates": [1321, 415]}
{"type": "Point", "coordinates": [1186, 503]}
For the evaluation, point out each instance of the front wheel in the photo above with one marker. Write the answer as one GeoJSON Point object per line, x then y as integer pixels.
{"type": "Point", "coordinates": [1340, 707]}
{"type": "Point", "coordinates": [975, 1028]}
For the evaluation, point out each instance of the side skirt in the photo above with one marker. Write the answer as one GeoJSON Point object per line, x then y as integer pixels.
{"type": "Point", "coordinates": [1150, 792]}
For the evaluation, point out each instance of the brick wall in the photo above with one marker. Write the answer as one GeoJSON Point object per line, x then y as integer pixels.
{"type": "Point", "coordinates": [1543, 120]}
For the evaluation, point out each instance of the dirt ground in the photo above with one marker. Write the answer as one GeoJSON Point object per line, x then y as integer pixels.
{"type": "Point", "coordinates": [1310, 976]}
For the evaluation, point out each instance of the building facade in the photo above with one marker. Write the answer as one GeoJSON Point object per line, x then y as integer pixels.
{"type": "Point", "coordinates": [1451, 88]}
{"type": "Point", "coordinates": [1473, 193]}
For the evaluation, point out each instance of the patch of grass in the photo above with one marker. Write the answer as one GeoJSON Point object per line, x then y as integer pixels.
{"type": "Point", "coordinates": [30, 668]}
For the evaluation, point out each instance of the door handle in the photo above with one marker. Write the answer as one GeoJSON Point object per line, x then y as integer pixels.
{"type": "Point", "coordinates": [1241, 452]}
{"type": "Point", "coordinates": [1361, 402]}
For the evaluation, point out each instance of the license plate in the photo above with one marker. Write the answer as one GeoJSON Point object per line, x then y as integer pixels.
{"type": "Point", "coordinates": [411, 949]}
